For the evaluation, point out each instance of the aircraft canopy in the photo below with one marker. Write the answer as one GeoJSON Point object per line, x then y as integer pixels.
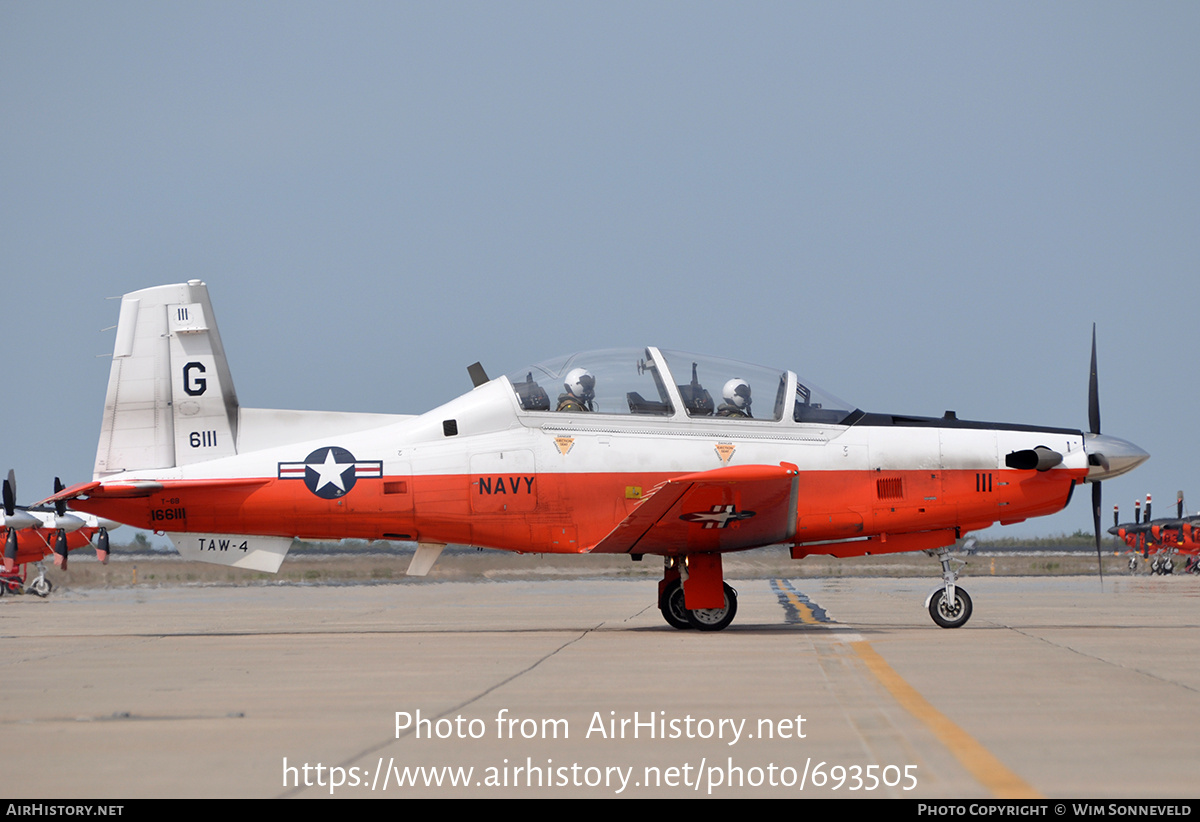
{"type": "Point", "coordinates": [665, 383]}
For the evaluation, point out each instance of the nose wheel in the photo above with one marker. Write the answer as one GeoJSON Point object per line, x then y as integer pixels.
{"type": "Point", "coordinates": [950, 605]}
{"type": "Point", "coordinates": [950, 613]}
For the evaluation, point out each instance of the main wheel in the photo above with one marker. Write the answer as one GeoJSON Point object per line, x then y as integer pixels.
{"type": "Point", "coordinates": [715, 619]}
{"type": "Point", "coordinates": [950, 614]}
{"type": "Point", "coordinates": [41, 587]}
{"type": "Point", "coordinates": [672, 607]}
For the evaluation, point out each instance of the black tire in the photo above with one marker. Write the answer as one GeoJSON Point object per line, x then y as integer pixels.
{"type": "Point", "coordinates": [42, 588]}
{"type": "Point", "coordinates": [947, 616]}
{"type": "Point", "coordinates": [715, 619]}
{"type": "Point", "coordinates": [672, 607]}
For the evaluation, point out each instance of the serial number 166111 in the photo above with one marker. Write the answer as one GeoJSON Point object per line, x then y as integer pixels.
{"type": "Point", "coordinates": [167, 514]}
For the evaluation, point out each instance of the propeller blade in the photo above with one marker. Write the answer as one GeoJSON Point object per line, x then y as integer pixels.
{"type": "Point", "coordinates": [10, 550]}
{"type": "Point", "coordinates": [60, 505]}
{"type": "Point", "coordinates": [102, 546]}
{"type": "Point", "coordinates": [1096, 521]}
{"type": "Point", "coordinates": [10, 494]}
{"type": "Point", "coordinates": [60, 549]}
{"type": "Point", "coordinates": [1094, 424]}
{"type": "Point", "coordinates": [1094, 391]}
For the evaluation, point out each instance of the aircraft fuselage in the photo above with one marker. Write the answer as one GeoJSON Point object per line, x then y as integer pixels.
{"type": "Point", "coordinates": [559, 483]}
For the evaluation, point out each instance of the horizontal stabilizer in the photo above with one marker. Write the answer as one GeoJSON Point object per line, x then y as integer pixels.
{"type": "Point", "coordinates": [79, 489]}
{"type": "Point", "coordinates": [139, 488]}
{"type": "Point", "coordinates": [726, 509]}
{"type": "Point", "coordinates": [238, 550]}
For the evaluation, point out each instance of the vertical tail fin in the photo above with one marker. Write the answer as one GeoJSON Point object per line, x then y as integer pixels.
{"type": "Point", "coordinates": [170, 395]}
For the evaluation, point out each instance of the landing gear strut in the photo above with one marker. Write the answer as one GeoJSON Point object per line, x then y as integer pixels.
{"type": "Point", "coordinates": [950, 606]}
{"type": "Point", "coordinates": [39, 585]}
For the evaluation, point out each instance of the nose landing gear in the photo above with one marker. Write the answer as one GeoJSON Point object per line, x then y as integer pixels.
{"type": "Point", "coordinates": [950, 605]}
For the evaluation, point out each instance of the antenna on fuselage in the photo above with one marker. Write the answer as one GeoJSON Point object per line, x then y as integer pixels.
{"type": "Point", "coordinates": [477, 374]}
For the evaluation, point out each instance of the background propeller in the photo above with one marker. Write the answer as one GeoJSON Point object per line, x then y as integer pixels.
{"type": "Point", "coordinates": [64, 522]}
{"type": "Point", "coordinates": [14, 521]}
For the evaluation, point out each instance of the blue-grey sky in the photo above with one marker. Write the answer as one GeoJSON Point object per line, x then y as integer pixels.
{"type": "Point", "coordinates": [917, 206]}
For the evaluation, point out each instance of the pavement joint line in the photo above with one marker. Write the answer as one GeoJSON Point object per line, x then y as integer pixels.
{"type": "Point", "coordinates": [350, 760]}
{"type": "Point", "coordinates": [1101, 659]}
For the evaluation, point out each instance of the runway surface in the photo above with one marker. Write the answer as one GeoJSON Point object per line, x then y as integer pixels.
{"type": "Point", "coordinates": [1054, 689]}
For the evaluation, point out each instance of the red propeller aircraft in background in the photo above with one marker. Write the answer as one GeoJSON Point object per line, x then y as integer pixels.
{"type": "Point", "coordinates": [1160, 538]}
{"type": "Point", "coordinates": [32, 534]}
{"type": "Point", "coordinates": [634, 451]}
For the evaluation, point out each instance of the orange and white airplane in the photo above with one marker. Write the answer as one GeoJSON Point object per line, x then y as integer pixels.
{"type": "Point", "coordinates": [1160, 537]}
{"type": "Point", "coordinates": [32, 534]}
{"type": "Point", "coordinates": [620, 451]}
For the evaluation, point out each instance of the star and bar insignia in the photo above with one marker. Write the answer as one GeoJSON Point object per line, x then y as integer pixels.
{"type": "Point", "coordinates": [330, 472]}
{"type": "Point", "coordinates": [719, 517]}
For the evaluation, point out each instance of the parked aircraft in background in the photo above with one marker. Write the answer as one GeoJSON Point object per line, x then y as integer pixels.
{"type": "Point", "coordinates": [32, 534]}
{"type": "Point", "coordinates": [636, 451]}
{"type": "Point", "coordinates": [1160, 538]}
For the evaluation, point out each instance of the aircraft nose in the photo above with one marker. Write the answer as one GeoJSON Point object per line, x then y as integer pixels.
{"type": "Point", "coordinates": [1110, 457]}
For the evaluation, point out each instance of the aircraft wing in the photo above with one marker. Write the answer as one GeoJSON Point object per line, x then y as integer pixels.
{"type": "Point", "coordinates": [726, 509]}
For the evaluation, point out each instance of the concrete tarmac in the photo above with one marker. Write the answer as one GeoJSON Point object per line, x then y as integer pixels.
{"type": "Point", "coordinates": [821, 687]}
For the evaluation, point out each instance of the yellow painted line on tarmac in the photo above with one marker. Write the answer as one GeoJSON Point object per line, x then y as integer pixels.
{"type": "Point", "coordinates": [802, 609]}
{"type": "Point", "coordinates": [805, 613]}
{"type": "Point", "coordinates": [990, 771]}
{"type": "Point", "coordinates": [986, 768]}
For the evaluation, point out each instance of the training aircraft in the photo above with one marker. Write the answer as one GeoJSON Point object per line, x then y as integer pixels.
{"type": "Point", "coordinates": [32, 534]}
{"type": "Point", "coordinates": [619, 451]}
{"type": "Point", "coordinates": [1160, 537]}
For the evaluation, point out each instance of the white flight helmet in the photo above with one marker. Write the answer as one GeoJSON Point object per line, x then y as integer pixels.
{"type": "Point", "coordinates": [581, 383]}
{"type": "Point", "coordinates": [737, 393]}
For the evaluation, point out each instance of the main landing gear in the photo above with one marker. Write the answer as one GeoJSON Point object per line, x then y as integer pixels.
{"type": "Point", "coordinates": [40, 585]}
{"type": "Point", "coordinates": [672, 603]}
{"type": "Point", "coordinates": [1162, 564]}
{"type": "Point", "coordinates": [950, 606]}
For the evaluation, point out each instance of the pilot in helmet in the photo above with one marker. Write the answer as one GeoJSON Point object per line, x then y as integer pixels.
{"type": "Point", "coordinates": [737, 399]}
{"type": "Point", "coordinates": [580, 388]}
